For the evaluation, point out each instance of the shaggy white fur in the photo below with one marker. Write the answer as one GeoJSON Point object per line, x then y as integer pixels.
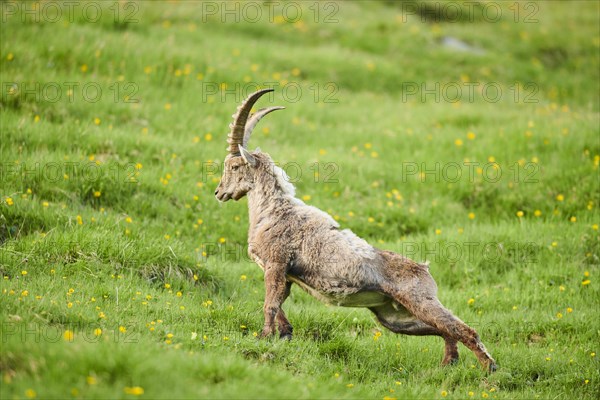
{"type": "Point", "coordinates": [284, 181]}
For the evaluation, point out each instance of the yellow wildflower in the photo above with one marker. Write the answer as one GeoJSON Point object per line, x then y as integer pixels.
{"type": "Point", "coordinates": [135, 390]}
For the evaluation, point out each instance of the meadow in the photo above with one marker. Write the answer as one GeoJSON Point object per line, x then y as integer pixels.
{"type": "Point", "coordinates": [462, 133]}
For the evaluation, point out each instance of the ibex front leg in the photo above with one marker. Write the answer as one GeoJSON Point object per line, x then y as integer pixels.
{"type": "Point", "coordinates": [283, 324]}
{"type": "Point", "coordinates": [275, 294]}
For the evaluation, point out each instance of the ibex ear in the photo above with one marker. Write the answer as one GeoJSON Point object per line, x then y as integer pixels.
{"type": "Point", "coordinates": [248, 157]}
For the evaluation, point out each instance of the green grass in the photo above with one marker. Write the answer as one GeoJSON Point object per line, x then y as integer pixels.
{"type": "Point", "coordinates": [121, 271]}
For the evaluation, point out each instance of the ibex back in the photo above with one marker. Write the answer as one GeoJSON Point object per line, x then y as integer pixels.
{"type": "Point", "coordinates": [296, 243]}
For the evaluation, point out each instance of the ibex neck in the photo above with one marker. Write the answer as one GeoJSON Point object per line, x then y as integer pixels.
{"type": "Point", "coordinates": [272, 193]}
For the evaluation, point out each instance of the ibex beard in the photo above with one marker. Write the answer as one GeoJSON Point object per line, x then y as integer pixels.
{"type": "Point", "coordinates": [296, 243]}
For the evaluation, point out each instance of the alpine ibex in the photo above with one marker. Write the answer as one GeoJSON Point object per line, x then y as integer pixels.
{"type": "Point", "coordinates": [296, 243]}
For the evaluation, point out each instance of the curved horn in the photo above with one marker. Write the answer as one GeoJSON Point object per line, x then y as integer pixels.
{"type": "Point", "coordinates": [236, 134]}
{"type": "Point", "coordinates": [253, 120]}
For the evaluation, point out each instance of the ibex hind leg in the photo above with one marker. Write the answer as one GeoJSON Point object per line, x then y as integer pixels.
{"type": "Point", "coordinates": [400, 321]}
{"type": "Point", "coordinates": [428, 309]}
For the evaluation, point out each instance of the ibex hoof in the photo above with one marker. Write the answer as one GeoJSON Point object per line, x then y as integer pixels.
{"type": "Point", "coordinates": [285, 336]}
{"type": "Point", "coordinates": [266, 333]}
{"type": "Point", "coordinates": [449, 361]}
{"type": "Point", "coordinates": [493, 367]}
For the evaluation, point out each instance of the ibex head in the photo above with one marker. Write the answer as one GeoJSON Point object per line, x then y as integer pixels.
{"type": "Point", "coordinates": [238, 173]}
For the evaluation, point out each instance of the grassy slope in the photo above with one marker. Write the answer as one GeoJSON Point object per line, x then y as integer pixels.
{"type": "Point", "coordinates": [110, 268]}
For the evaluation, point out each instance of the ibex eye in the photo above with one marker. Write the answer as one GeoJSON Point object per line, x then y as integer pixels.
{"type": "Point", "coordinates": [235, 167]}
